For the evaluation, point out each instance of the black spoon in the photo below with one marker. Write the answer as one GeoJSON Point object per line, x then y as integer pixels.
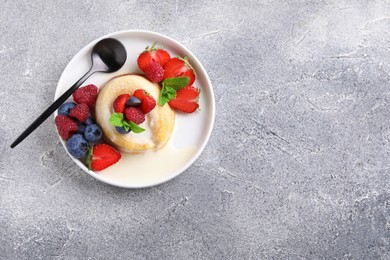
{"type": "Point", "coordinates": [108, 55]}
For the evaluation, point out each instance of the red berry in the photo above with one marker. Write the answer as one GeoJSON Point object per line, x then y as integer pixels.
{"type": "Point", "coordinates": [80, 112]}
{"type": "Point", "coordinates": [120, 103]}
{"type": "Point", "coordinates": [104, 156]}
{"type": "Point", "coordinates": [135, 115]}
{"type": "Point", "coordinates": [152, 54]}
{"type": "Point", "coordinates": [148, 103]}
{"type": "Point", "coordinates": [154, 72]}
{"type": "Point", "coordinates": [186, 100]}
{"type": "Point", "coordinates": [178, 67]}
{"type": "Point", "coordinates": [86, 95]}
{"type": "Point", "coordinates": [66, 126]}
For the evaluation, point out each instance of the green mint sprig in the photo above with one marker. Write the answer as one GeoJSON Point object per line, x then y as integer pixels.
{"type": "Point", "coordinates": [170, 86]}
{"type": "Point", "coordinates": [117, 119]}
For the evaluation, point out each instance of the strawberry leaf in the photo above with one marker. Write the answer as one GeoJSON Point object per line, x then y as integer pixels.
{"type": "Point", "coordinates": [89, 157]}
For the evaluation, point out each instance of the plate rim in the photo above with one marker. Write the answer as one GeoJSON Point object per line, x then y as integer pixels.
{"type": "Point", "coordinates": [210, 121]}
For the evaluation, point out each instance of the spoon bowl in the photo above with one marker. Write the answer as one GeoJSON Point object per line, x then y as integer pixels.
{"type": "Point", "coordinates": [108, 55]}
{"type": "Point", "coordinates": [109, 52]}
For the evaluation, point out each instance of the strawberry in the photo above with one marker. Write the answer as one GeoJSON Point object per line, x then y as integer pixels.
{"type": "Point", "coordinates": [154, 72]}
{"type": "Point", "coordinates": [86, 95]}
{"type": "Point", "coordinates": [66, 126]}
{"type": "Point", "coordinates": [103, 156]}
{"type": "Point", "coordinates": [134, 114]}
{"type": "Point", "coordinates": [148, 103]}
{"type": "Point", "coordinates": [80, 112]}
{"type": "Point", "coordinates": [178, 67]}
{"type": "Point", "coordinates": [120, 103]}
{"type": "Point", "coordinates": [152, 54]}
{"type": "Point", "coordinates": [186, 100]}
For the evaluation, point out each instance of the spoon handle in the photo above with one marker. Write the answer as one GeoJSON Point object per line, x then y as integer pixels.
{"type": "Point", "coordinates": [51, 109]}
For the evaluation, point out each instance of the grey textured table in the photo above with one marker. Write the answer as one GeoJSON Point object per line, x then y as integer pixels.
{"type": "Point", "coordinates": [298, 163]}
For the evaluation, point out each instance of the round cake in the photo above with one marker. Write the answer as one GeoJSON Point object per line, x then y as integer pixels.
{"type": "Point", "coordinates": [158, 125]}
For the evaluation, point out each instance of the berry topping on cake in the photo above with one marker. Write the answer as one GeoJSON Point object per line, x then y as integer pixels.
{"type": "Point", "coordinates": [147, 101]}
{"type": "Point", "coordinates": [135, 115]}
{"type": "Point", "coordinates": [120, 103]}
{"type": "Point", "coordinates": [103, 156]}
{"type": "Point", "coordinates": [80, 112]}
{"type": "Point", "coordinates": [122, 130]}
{"type": "Point", "coordinates": [66, 126]}
{"type": "Point", "coordinates": [133, 102]}
{"type": "Point", "coordinates": [86, 95]}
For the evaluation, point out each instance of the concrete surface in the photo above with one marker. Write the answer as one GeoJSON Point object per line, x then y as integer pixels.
{"type": "Point", "coordinates": [297, 166]}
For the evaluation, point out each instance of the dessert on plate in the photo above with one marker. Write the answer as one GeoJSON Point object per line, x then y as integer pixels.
{"type": "Point", "coordinates": [158, 123]}
{"type": "Point", "coordinates": [132, 113]}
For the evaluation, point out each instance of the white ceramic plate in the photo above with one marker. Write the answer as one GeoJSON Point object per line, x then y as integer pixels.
{"type": "Point", "coordinates": [191, 133]}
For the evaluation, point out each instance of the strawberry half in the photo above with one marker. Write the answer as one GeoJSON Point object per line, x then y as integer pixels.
{"type": "Point", "coordinates": [148, 103]}
{"type": "Point", "coordinates": [103, 156]}
{"type": "Point", "coordinates": [178, 67]}
{"type": "Point", "coordinates": [186, 100]}
{"type": "Point", "coordinates": [152, 54]}
{"type": "Point", "coordinates": [120, 103]}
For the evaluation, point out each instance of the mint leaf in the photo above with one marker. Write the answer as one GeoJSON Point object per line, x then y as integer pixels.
{"type": "Point", "coordinates": [167, 93]}
{"type": "Point", "coordinates": [135, 128]}
{"type": "Point", "coordinates": [116, 119]}
{"type": "Point", "coordinates": [126, 125]}
{"type": "Point", "coordinates": [176, 83]}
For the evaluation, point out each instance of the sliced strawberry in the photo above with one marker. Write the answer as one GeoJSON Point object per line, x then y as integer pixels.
{"type": "Point", "coordinates": [152, 54]}
{"type": "Point", "coordinates": [148, 103]}
{"type": "Point", "coordinates": [120, 103]}
{"type": "Point", "coordinates": [186, 100]}
{"type": "Point", "coordinates": [178, 67]}
{"type": "Point", "coordinates": [103, 156]}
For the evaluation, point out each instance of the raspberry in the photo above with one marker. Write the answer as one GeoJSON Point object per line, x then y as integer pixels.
{"type": "Point", "coordinates": [66, 126]}
{"type": "Point", "coordinates": [80, 112]}
{"type": "Point", "coordinates": [86, 95]}
{"type": "Point", "coordinates": [135, 115]}
{"type": "Point", "coordinates": [154, 72]}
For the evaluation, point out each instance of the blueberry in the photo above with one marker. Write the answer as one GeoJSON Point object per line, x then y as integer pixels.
{"type": "Point", "coordinates": [80, 127]}
{"type": "Point", "coordinates": [93, 133]}
{"type": "Point", "coordinates": [89, 121]}
{"type": "Point", "coordinates": [121, 130]}
{"type": "Point", "coordinates": [133, 102]}
{"type": "Point", "coordinates": [77, 146]}
{"type": "Point", "coordinates": [65, 108]}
